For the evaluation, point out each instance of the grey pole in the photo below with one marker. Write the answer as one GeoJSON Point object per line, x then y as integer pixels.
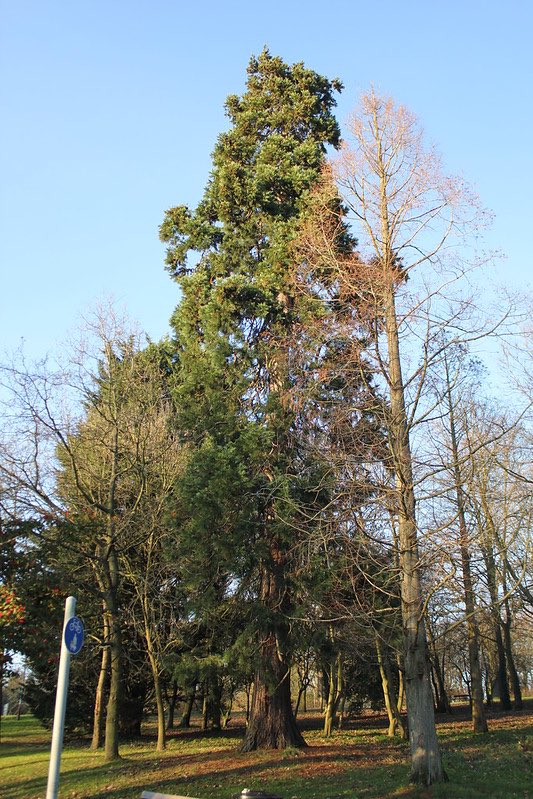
{"type": "Point", "coordinates": [61, 706]}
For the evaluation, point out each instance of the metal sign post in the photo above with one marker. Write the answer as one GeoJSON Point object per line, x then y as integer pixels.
{"type": "Point", "coordinates": [71, 643]}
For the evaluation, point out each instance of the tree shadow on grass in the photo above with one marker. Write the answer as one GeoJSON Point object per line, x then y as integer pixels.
{"type": "Point", "coordinates": [128, 778]}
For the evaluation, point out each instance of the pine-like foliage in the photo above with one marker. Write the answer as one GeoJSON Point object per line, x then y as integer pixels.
{"type": "Point", "coordinates": [233, 258]}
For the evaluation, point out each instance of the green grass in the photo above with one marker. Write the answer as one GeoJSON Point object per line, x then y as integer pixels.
{"type": "Point", "coordinates": [360, 763]}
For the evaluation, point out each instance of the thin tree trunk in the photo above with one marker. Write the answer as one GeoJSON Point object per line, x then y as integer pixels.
{"type": "Point", "coordinates": [391, 702]}
{"type": "Point", "coordinates": [226, 718]}
{"type": "Point", "coordinates": [303, 683]}
{"type": "Point", "coordinates": [98, 716]}
{"type": "Point", "coordinates": [441, 695]}
{"type": "Point", "coordinates": [115, 654]}
{"type": "Point", "coordinates": [172, 705]}
{"type": "Point", "coordinates": [335, 693]}
{"type": "Point", "coordinates": [156, 672]}
{"type": "Point", "coordinates": [301, 691]}
{"type": "Point", "coordinates": [443, 702]}
{"type": "Point", "coordinates": [488, 683]}
{"type": "Point", "coordinates": [111, 581]}
{"type": "Point", "coordinates": [479, 720]}
{"type": "Point", "coordinates": [340, 712]}
{"type": "Point", "coordinates": [508, 644]}
{"type": "Point", "coordinates": [205, 706]}
{"type": "Point", "coordinates": [329, 711]}
{"type": "Point", "coordinates": [401, 685]}
{"type": "Point", "coordinates": [215, 702]}
{"type": "Point", "coordinates": [501, 671]}
{"type": "Point", "coordinates": [160, 705]}
{"type": "Point", "coordinates": [113, 701]}
{"type": "Point", "coordinates": [249, 689]}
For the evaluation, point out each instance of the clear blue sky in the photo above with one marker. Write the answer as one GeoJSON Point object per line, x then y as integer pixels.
{"type": "Point", "coordinates": [110, 111]}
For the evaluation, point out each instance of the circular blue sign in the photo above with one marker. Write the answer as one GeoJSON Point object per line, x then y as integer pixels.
{"type": "Point", "coordinates": [74, 635]}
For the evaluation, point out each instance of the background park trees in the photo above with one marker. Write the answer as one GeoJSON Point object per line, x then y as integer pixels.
{"type": "Point", "coordinates": [100, 479]}
{"type": "Point", "coordinates": [297, 482]}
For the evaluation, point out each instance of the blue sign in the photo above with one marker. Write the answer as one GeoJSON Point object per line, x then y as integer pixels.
{"type": "Point", "coordinates": [74, 635]}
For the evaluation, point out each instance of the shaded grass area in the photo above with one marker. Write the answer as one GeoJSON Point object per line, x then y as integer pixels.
{"type": "Point", "coordinates": [360, 762]}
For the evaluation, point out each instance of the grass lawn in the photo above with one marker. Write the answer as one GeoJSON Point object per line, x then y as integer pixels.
{"type": "Point", "coordinates": [360, 762]}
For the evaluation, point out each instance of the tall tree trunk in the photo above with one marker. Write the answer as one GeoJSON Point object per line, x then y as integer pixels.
{"type": "Point", "coordinates": [501, 671]}
{"type": "Point", "coordinates": [479, 720]}
{"type": "Point", "coordinates": [160, 705]}
{"type": "Point", "coordinates": [156, 674]}
{"type": "Point", "coordinates": [113, 700]}
{"type": "Point", "coordinates": [272, 724]}
{"type": "Point", "coordinates": [115, 654]}
{"type": "Point", "coordinates": [426, 761]}
{"type": "Point", "coordinates": [98, 716]}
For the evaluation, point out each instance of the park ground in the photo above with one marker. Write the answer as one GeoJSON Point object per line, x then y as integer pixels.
{"type": "Point", "coordinates": [359, 762]}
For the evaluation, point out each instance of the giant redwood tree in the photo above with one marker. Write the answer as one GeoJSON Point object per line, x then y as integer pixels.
{"type": "Point", "coordinates": [233, 330]}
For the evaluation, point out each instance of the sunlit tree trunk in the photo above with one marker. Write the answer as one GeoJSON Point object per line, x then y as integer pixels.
{"type": "Point", "coordinates": [425, 753]}
{"type": "Point", "coordinates": [335, 691]}
{"type": "Point", "coordinates": [99, 700]}
{"type": "Point", "coordinates": [391, 701]}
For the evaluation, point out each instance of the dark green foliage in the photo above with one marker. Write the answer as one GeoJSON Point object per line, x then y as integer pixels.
{"type": "Point", "coordinates": [247, 480]}
{"type": "Point", "coordinates": [236, 301]}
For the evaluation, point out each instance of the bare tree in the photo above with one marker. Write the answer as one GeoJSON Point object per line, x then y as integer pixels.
{"type": "Point", "coordinates": [500, 501]}
{"type": "Point", "coordinates": [411, 220]}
